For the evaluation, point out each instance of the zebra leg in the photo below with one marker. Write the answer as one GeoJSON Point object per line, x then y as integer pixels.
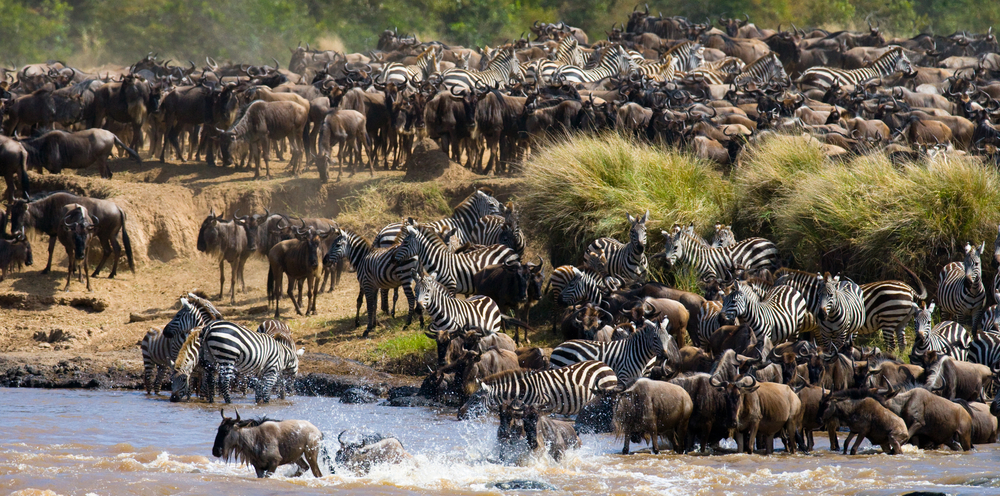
{"type": "Point", "coordinates": [158, 382]}
{"type": "Point", "coordinates": [357, 316]}
{"type": "Point", "coordinates": [227, 372]}
{"type": "Point", "coordinates": [209, 380]}
{"type": "Point", "coordinates": [147, 376]}
{"type": "Point", "coordinates": [889, 338]}
{"type": "Point", "coordinates": [385, 300]}
{"type": "Point", "coordinates": [372, 296]}
{"type": "Point", "coordinates": [264, 385]}
{"type": "Point", "coordinates": [411, 303]}
{"type": "Point", "coordinates": [395, 298]}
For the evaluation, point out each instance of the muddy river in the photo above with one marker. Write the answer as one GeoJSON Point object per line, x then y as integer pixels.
{"type": "Point", "coordinates": [111, 443]}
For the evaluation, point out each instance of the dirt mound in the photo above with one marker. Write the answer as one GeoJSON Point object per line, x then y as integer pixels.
{"type": "Point", "coordinates": [428, 163]}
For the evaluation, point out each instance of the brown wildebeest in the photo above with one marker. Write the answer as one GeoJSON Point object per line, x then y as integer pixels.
{"type": "Point", "coordinates": [14, 160]}
{"type": "Point", "coordinates": [267, 444]}
{"type": "Point", "coordinates": [371, 450]}
{"type": "Point", "coordinates": [933, 420]}
{"type": "Point", "coordinates": [299, 258]}
{"type": "Point", "coordinates": [14, 253]}
{"type": "Point", "coordinates": [228, 240]}
{"type": "Point", "coordinates": [651, 409]}
{"type": "Point", "coordinates": [529, 423]}
{"type": "Point", "coordinates": [866, 417]}
{"type": "Point", "coordinates": [348, 129]}
{"type": "Point", "coordinates": [58, 150]}
{"type": "Point", "coordinates": [77, 229]}
{"type": "Point", "coordinates": [45, 214]}
{"type": "Point", "coordinates": [263, 123]}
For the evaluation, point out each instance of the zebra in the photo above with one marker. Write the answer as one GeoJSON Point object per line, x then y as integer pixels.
{"type": "Point", "coordinates": [375, 268]}
{"type": "Point", "coordinates": [454, 270]}
{"type": "Point", "coordinates": [822, 78]}
{"type": "Point", "coordinates": [231, 348]}
{"type": "Point", "coordinates": [948, 337]}
{"type": "Point", "coordinates": [990, 321]}
{"type": "Point", "coordinates": [762, 72]}
{"type": "Point", "coordinates": [586, 286]}
{"type": "Point", "coordinates": [184, 367]}
{"type": "Point", "coordinates": [564, 390]}
{"type": "Point", "coordinates": [282, 333]}
{"type": "Point", "coordinates": [723, 236]}
{"type": "Point", "coordinates": [499, 72]}
{"type": "Point", "coordinates": [985, 350]}
{"type": "Point", "coordinates": [779, 314]}
{"type": "Point", "coordinates": [960, 288]}
{"type": "Point", "coordinates": [708, 322]}
{"type": "Point", "coordinates": [406, 75]}
{"type": "Point", "coordinates": [718, 72]}
{"type": "Point", "coordinates": [625, 261]}
{"type": "Point", "coordinates": [687, 54]}
{"type": "Point", "coordinates": [465, 218]}
{"type": "Point", "coordinates": [627, 357]}
{"type": "Point", "coordinates": [447, 312]}
{"type": "Point", "coordinates": [751, 254]}
{"type": "Point", "coordinates": [665, 70]}
{"type": "Point", "coordinates": [614, 63]}
{"type": "Point", "coordinates": [842, 311]}
{"type": "Point", "coordinates": [160, 347]}
{"type": "Point", "coordinates": [996, 257]}
{"type": "Point", "coordinates": [496, 230]}
{"type": "Point", "coordinates": [568, 52]}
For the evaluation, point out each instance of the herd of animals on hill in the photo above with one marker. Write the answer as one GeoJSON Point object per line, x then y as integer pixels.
{"type": "Point", "coordinates": [765, 351]}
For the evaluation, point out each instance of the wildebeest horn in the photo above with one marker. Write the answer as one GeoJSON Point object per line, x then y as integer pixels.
{"type": "Point", "coordinates": [341, 435]}
{"type": "Point", "coordinates": [237, 414]}
{"type": "Point", "coordinates": [94, 219]}
{"type": "Point", "coordinates": [222, 411]}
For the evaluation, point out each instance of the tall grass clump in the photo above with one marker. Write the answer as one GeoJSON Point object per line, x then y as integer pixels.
{"type": "Point", "coordinates": [866, 216]}
{"type": "Point", "coordinates": [580, 188]}
{"type": "Point", "coordinates": [374, 206]}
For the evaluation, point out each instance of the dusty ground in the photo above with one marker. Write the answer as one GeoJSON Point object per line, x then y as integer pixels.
{"type": "Point", "coordinates": [99, 331]}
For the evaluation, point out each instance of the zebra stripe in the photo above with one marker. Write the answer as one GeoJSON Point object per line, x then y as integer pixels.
{"type": "Point", "coordinates": [779, 315]}
{"type": "Point", "coordinates": [615, 62]}
{"type": "Point", "coordinates": [888, 64]}
{"type": "Point", "coordinates": [465, 218]}
{"type": "Point", "coordinates": [687, 54]}
{"type": "Point", "coordinates": [454, 270]}
{"type": "Point", "coordinates": [625, 261]}
{"type": "Point", "coordinates": [985, 349]}
{"type": "Point", "coordinates": [585, 287]}
{"type": "Point", "coordinates": [499, 72]}
{"type": "Point", "coordinates": [496, 230]}
{"type": "Point", "coordinates": [751, 254]}
{"type": "Point", "coordinates": [960, 288]}
{"type": "Point", "coordinates": [405, 75]}
{"type": "Point", "coordinates": [184, 367]}
{"type": "Point", "coordinates": [449, 313]}
{"type": "Point", "coordinates": [889, 308]}
{"type": "Point", "coordinates": [565, 390]}
{"type": "Point", "coordinates": [375, 268]}
{"type": "Point", "coordinates": [718, 72]}
{"type": "Point", "coordinates": [723, 236]}
{"type": "Point", "coordinates": [842, 311]}
{"type": "Point", "coordinates": [160, 348]}
{"type": "Point", "coordinates": [627, 357]}
{"type": "Point", "coordinates": [948, 338]}
{"type": "Point", "coordinates": [708, 322]}
{"type": "Point", "coordinates": [657, 71]}
{"type": "Point", "coordinates": [763, 72]}
{"type": "Point", "coordinates": [283, 334]}
{"type": "Point", "coordinates": [230, 347]}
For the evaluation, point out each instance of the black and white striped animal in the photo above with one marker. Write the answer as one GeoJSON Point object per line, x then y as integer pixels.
{"type": "Point", "coordinates": [565, 389]}
{"type": "Point", "coordinates": [501, 69]}
{"type": "Point", "coordinates": [625, 261]}
{"type": "Point", "coordinates": [718, 72]}
{"type": "Point", "coordinates": [407, 75]}
{"type": "Point", "coordinates": [687, 54]}
{"type": "Point", "coordinates": [466, 218]}
{"type": "Point", "coordinates": [960, 288]}
{"type": "Point", "coordinates": [751, 254]}
{"type": "Point", "coordinates": [375, 268]}
{"type": "Point", "coordinates": [161, 347]}
{"type": "Point", "coordinates": [779, 314]}
{"type": "Point", "coordinates": [823, 78]}
{"type": "Point", "coordinates": [841, 311]}
{"type": "Point", "coordinates": [985, 349]}
{"type": "Point", "coordinates": [627, 357]}
{"type": "Point", "coordinates": [723, 236]}
{"type": "Point", "coordinates": [585, 286]}
{"type": "Point", "coordinates": [448, 313]}
{"type": "Point", "coordinates": [947, 338]}
{"type": "Point", "coordinates": [230, 348]}
{"type": "Point", "coordinates": [454, 270]}
{"type": "Point", "coordinates": [762, 72]}
{"type": "Point", "coordinates": [614, 63]}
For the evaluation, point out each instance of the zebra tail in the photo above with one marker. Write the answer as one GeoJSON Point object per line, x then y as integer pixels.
{"type": "Point", "coordinates": [511, 321]}
{"type": "Point", "coordinates": [923, 290]}
{"type": "Point", "coordinates": [127, 243]}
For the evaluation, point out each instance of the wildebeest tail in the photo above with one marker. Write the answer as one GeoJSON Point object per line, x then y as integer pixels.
{"type": "Point", "coordinates": [135, 156]}
{"type": "Point", "coordinates": [24, 174]}
{"type": "Point", "coordinates": [511, 321]}
{"type": "Point", "coordinates": [127, 242]}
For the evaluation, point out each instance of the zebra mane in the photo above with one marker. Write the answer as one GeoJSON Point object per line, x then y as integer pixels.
{"type": "Point", "coordinates": [512, 374]}
{"type": "Point", "coordinates": [186, 361]}
{"type": "Point", "coordinates": [203, 306]}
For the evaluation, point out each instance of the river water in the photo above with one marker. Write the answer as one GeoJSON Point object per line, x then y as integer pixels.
{"type": "Point", "coordinates": [111, 443]}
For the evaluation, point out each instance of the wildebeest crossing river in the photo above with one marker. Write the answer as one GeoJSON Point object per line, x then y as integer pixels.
{"type": "Point", "coordinates": [82, 442]}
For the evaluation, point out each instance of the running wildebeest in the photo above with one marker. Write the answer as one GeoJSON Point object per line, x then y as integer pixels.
{"type": "Point", "coordinates": [267, 444]}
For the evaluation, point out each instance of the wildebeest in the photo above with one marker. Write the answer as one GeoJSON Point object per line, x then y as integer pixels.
{"type": "Point", "coordinates": [44, 214]}
{"type": "Point", "coordinates": [77, 228]}
{"type": "Point", "coordinates": [527, 426]}
{"type": "Point", "coordinates": [651, 409]}
{"type": "Point", "coordinates": [190, 106]}
{"type": "Point", "coordinates": [14, 160]}
{"type": "Point", "coordinates": [299, 259]}
{"type": "Point", "coordinates": [950, 378]}
{"type": "Point", "coordinates": [507, 285]}
{"type": "Point", "coordinates": [932, 420]}
{"type": "Point", "coordinates": [267, 444]}
{"type": "Point", "coordinates": [262, 123]}
{"type": "Point", "coordinates": [58, 150]}
{"type": "Point", "coordinates": [347, 128]}
{"type": "Point", "coordinates": [867, 418]}
{"type": "Point", "coordinates": [228, 240]}
{"type": "Point", "coordinates": [14, 253]}
{"type": "Point", "coordinates": [128, 101]}
{"type": "Point", "coordinates": [371, 450]}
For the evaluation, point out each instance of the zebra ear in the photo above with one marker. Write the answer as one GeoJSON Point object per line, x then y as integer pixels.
{"type": "Point", "coordinates": [982, 246]}
{"type": "Point", "coordinates": [930, 309]}
{"type": "Point", "coordinates": [630, 218]}
{"type": "Point", "coordinates": [645, 217]}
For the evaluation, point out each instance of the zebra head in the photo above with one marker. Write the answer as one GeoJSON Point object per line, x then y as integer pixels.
{"type": "Point", "coordinates": [407, 245]}
{"type": "Point", "coordinates": [973, 262]}
{"type": "Point", "coordinates": [672, 247]}
{"type": "Point", "coordinates": [903, 63]}
{"type": "Point", "coordinates": [291, 365]}
{"type": "Point", "coordinates": [922, 321]}
{"type": "Point", "coordinates": [484, 203]}
{"type": "Point", "coordinates": [724, 236]}
{"type": "Point", "coordinates": [183, 321]}
{"type": "Point", "coordinates": [637, 235]}
{"type": "Point", "coordinates": [734, 303]}
{"type": "Point", "coordinates": [337, 250]}
{"type": "Point", "coordinates": [425, 286]}
{"type": "Point", "coordinates": [829, 296]}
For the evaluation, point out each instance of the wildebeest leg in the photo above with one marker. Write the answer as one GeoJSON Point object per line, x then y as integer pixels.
{"type": "Point", "coordinates": [106, 250]}
{"type": "Point", "coordinates": [233, 271]}
{"type": "Point", "coordinates": [857, 442]}
{"type": "Point", "coordinates": [314, 283]}
{"type": "Point", "coordinates": [831, 429]}
{"type": "Point", "coordinates": [267, 157]}
{"type": "Point", "coordinates": [70, 267]}
{"type": "Point", "coordinates": [291, 295]}
{"type": "Point", "coordinates": [239, 272]}
{"type": "Point", "coordinates": [847, 442]}
{"type": "Point", "coordinates": [276, 291]}
{"type": "Point", "coordinates": [222, 278]}
{"type": "Point", "coordinates": [52, 246]}
{"type": "Point", "coordinates": [84, 269]}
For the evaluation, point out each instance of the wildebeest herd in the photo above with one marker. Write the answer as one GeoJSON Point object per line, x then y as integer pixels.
{"type": "Point", "coordinates": [766, 352]}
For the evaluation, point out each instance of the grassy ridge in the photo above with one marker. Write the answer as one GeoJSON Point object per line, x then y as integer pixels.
{"type": "Point", "coordinates": [862, 217]}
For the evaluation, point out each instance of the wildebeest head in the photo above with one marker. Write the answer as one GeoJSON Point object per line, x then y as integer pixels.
{"type": "Point", "coordinates": [733, 392]}
{"type": "Point", "coordinates": [511, 421]}
{"type": "Point", "coordinates": [18, 214]}
{"type": "Point", "coordinates": [312, 239]}
{"type": "Point", "coordinates": [20, 242]}
{"type": "Point", "coordinates": [227, 426]}
{"type": "Point", "coordinates": [210, 236]}
{"type": "Point", "coordinates": [536, 278]}
{"type": "Point", "coordinates": [80, 224]}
